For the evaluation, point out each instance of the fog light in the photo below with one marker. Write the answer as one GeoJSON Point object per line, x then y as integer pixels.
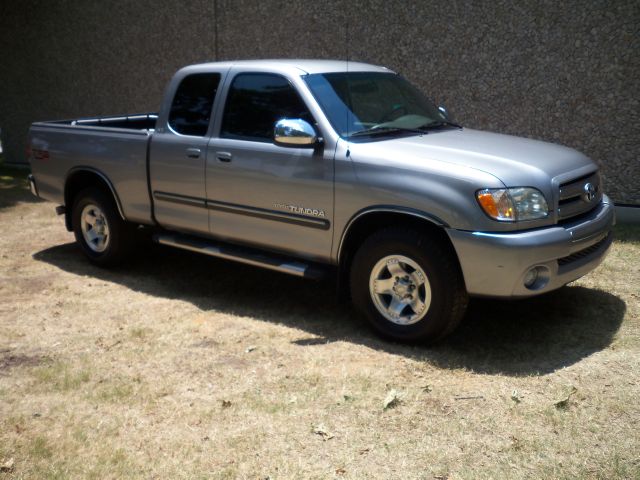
{"type": "Point", "coordinates": [531, 277]}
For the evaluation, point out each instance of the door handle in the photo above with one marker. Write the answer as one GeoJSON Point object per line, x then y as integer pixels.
{"type": "Point", "coordinates": [223, 156]}
{"type": "Point", "coordinates": [193, 152]}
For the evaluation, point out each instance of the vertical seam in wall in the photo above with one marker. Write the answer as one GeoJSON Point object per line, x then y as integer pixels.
{"type": "Point", "coordinates": [215, 30]}
{"type": "Point", "coordinates": [346, 29]}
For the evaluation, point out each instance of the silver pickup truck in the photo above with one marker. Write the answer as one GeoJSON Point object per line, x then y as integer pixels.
{"type": "Point", "coordinates": [309, 167]}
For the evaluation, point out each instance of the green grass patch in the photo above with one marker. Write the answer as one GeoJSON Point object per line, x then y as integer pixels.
{"type": "Point", "coordinates": [60, 377]}
{"type": "Point", "coordinates": [139, 333]}
{"type": "Point", "coordinates": [40, 449]}
{"type": "Point", "coordinates": [627, 233]}
{"type": "Point", "coordinates": [10, 173]}
{"type": "Point", "coordinates": [14, 186]}
{"type": "Point", "coordinates": [115, 392]}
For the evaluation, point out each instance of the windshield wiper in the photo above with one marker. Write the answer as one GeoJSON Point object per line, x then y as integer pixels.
{"type": "Point", "coordinates": [422, 129]}
{"type": "Point", "coordinates": [385, 130]}
{"type": "Point", "coordinates": [440, 123]}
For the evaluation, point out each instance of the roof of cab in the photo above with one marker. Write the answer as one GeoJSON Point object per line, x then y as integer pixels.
{"type": "Point", "coordinates": [305, 66]}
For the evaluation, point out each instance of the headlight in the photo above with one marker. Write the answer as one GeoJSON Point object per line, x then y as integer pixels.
{"type": "Point", "coordinates": [513, 204]}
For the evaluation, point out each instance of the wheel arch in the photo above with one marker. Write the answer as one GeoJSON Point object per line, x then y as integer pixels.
{"type": "Point", "coordinates": [367, 221]}
{"type": "Point", "coordinates": [81, 177]}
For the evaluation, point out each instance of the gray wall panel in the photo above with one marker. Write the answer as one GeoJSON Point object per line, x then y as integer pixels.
{"type": "Point", "coordinates": [565, 72]}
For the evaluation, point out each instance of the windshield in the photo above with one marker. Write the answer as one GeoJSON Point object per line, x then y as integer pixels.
{"type": "Point", "coordinates": [362, 103]}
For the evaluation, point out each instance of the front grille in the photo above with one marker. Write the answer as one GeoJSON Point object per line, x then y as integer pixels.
{"type": "Point", "coordinates": [573, 197]}
{"type": "Point", "coordinates": [574, 257]}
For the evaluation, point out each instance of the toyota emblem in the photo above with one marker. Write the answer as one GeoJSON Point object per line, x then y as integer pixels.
{"type": "Point", "coordinates": [589, 192]}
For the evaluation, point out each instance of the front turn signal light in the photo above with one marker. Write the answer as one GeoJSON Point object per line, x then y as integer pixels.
{"type": "Point", "coordinates": [497, 204]}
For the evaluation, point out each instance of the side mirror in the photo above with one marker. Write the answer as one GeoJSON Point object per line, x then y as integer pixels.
{"type": "Point", "coordinates": [294, 132]}
{"type": "Point", "coordinates": [444, 111]}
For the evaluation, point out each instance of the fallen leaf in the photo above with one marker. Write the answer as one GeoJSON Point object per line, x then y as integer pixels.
{"type": "Point", "coordinates": [516, 397]}
{"type": "Point", "coordinates": [7, 466]}
{"type": "Point", "coordinates": [250, 348]}
{"type": "Point", "coordinates": [427, 388]}
{"type": "Point", "coordinates": [226, 403]}
{"type": "Point", "coordinates": [321, 430]}
{"type": "Point", "coordinates": [392, 400]}
{"type": "Point", "coordinates": [109, 347]}
{"type": "Point", "coordinates": [564, 403]}
{"type": "Point", "coordinates": [340, 471]}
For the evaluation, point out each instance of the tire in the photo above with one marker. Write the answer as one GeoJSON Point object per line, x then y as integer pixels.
{"type": "Point", "coordinates": [101, 221]}
{"type": "Point", "coordinates": [408, 286]}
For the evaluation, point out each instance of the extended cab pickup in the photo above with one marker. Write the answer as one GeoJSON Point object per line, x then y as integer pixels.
{"type": "Point", "coordinates": [312, 166]}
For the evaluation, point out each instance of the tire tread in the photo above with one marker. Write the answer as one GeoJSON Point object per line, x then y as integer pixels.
{"type": "Point", "coordinates": [120, 243]}
{"type": "Point", "coordinates": [455, 307]}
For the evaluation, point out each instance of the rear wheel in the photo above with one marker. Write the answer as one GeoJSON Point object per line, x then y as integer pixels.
{"type": "Point", "coordinates": [408, 285]}
{"type": "Point", "coordinates": [103, 236]}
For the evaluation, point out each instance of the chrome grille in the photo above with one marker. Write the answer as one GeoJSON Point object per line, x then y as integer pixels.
{"type": "Point", "coordinates": [575, 197]}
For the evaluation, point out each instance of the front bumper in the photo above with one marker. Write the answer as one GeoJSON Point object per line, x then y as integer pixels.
{"type": "Point", "coordinates": [496, 264]}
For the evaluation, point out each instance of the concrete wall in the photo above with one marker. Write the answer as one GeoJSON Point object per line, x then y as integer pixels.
{"type": "Point", "coordinates": [565, 72]}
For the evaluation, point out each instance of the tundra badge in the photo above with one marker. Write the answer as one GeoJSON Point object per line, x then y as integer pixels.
{"type": "Point", "coordinates": [300, 210]}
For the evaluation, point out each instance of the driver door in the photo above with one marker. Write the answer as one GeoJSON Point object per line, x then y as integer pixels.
{"type": "Point", "coordinates": [275, 197]}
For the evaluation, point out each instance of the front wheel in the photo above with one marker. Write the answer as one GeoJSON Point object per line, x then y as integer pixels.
{"type": "Point", "coordinates": [408, 285]}
{"type": "Point", "coordinates": [103, 236]}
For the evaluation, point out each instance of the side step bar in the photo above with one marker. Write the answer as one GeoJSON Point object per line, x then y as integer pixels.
{"type": "Point", "coordinates": [246, 255]}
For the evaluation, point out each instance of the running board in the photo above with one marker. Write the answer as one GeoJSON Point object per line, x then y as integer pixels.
{"type": "Point", "coordinates": [245, 255]}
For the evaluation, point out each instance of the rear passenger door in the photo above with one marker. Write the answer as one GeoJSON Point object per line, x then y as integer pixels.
{"type": "Point", "coordinates": [275, 197]}
{"type": "Point", "coordinates": [178, 152]}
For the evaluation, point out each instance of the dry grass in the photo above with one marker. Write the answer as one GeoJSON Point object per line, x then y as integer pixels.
{"type": "Point", "coordinates": [180, 366]}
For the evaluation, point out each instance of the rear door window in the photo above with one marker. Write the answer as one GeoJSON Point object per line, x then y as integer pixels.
{"type": "Point", "coordinates": [193, 103]}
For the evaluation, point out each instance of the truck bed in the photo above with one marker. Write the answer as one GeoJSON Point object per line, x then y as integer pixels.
{"type": "Point", "coordinates": [115, 147]}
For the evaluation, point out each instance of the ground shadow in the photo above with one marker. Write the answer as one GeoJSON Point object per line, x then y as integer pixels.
{"type": "Point", "coordinates": [14, 187]}
{"type": "Point", "coordinates": [527, 337]}
{"type": "Point", "coordinates": [8, 361]}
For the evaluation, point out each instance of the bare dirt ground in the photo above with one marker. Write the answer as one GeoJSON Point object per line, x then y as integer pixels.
{"type": "Point", "coordinates": [180, 366]}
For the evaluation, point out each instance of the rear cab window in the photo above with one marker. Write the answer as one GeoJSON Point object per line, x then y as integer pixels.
{"type": "Point", "coordinates": [255, 102]}
{"type": "Point", "coordinates": [193, 103]}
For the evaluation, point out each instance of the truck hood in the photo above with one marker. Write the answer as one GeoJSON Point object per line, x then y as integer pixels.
{"type": "Point", "coordinates": [516, 161]}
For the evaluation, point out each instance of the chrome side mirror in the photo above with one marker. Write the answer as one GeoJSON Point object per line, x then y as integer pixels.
{"type": "Point", "coordinates": [444, 111]}
{"type": "Point", "coordinates": [294, 132]}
